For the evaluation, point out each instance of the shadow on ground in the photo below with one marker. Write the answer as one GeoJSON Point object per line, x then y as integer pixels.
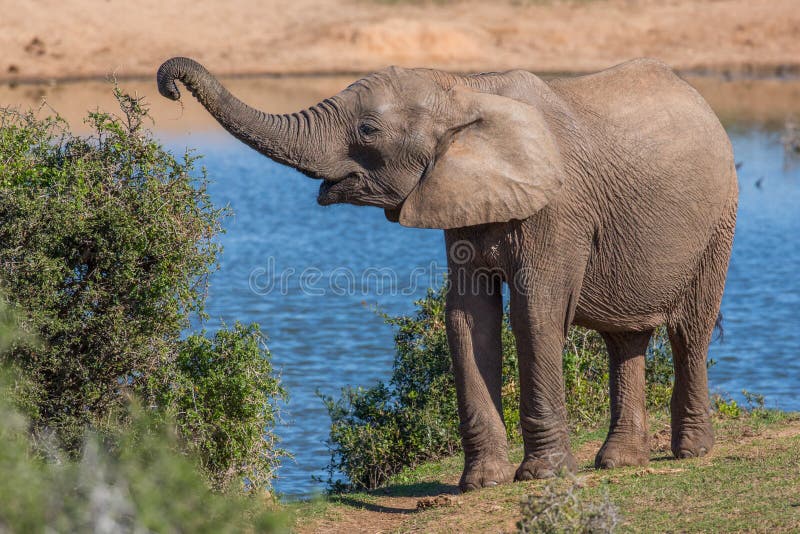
{"type": "Point", "coordinates": [421, 489]}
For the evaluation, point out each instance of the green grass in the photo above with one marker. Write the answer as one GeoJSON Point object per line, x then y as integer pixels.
{"type": "Point", "coordinates": [751, 481]}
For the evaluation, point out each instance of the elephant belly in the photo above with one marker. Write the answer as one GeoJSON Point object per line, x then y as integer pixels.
{"type": "Point", "coordinates": [632, 306]}
{"type": "Point", "coordinates": [590, 316]}
{"type": "Point", "coordinates": [635, 277]}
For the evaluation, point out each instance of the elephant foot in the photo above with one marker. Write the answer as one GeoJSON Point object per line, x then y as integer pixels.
{"type": "Point", "coordinates": [546, 465]}
{"type": "Point", "coordinates": [692, 440]}
{"type": "Point", "coordinates": [621, 449]}
{"type": "Point", "coordinates": [485, 473]}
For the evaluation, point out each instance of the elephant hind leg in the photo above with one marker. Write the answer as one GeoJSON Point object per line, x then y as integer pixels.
{"type": "Point", "coordinates": [628, 440]}
{"type": "Point", "coordinates": [692, 433]}
{"type": "Point", "coordinates": [690, 329]}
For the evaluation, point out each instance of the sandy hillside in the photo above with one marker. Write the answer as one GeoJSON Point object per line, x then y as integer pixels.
{"type": "Point", "coordinates": [58, 39]}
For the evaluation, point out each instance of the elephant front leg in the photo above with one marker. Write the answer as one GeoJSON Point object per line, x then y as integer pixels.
{"type": "Point", "coordinates": [474, 316]}
{"type": "Point", "coordinates": [539, 332]}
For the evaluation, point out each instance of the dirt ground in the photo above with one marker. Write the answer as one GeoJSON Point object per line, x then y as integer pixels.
{"type": "Point", "coordinates": [68, 39]}
{"type": "Point", "coordinates": [497, 509]}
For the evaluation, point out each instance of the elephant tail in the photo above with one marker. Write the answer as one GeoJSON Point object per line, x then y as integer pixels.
{"type": "Point", "coordinates": [720, 331]}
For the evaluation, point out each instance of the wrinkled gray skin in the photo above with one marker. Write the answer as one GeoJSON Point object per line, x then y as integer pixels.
{"type": "Point", "coordinates": [607, 201]}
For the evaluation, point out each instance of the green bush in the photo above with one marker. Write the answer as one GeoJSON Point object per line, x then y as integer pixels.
{"type": "Point", "coordinates": [222, 392]}
{"type": "Point", "coordinates": [376, 432]}
{"type": "Point", "coordinates": [106, 243]}
{"type": "Point", "coordinates": [129, 480]}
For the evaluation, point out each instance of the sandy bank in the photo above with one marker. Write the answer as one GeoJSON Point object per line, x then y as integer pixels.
{"type": "Point", "coordinates": [64, 39]}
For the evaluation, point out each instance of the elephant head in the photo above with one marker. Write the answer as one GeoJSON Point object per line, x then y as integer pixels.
{"type": "Point", "coordinates": [434, 150]}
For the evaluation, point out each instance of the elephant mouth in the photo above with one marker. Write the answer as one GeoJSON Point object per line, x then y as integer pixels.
{"type": "Point", "coordinates": [335, 191]}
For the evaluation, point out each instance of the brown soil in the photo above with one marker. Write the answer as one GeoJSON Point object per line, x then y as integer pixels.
{"type": "Point", "coordinates": [391, 513]}
{"type": "Point", "coordinates": [474, 512]}
{"type": "Point", "coordinates": [54, 39]}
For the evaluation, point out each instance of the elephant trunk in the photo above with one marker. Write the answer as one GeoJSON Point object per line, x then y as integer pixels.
{"type": "Point", "coordinates": [287, 139]}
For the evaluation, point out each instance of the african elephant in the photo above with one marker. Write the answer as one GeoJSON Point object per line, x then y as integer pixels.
{"type": "Point", "coordinates": [606, 200]}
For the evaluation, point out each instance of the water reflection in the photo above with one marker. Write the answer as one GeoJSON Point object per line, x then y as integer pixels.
{"type": "Point", "coordinates": [742, 101]}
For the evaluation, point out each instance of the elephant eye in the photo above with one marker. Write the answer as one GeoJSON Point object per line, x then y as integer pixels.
{"type": "Point", "coordinates": [366, 129]}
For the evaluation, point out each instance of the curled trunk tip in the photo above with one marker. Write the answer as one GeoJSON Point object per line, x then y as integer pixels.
{"type": "Point", "coordinates": [177, 68]}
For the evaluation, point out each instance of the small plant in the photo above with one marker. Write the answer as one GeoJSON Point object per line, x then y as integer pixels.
{"type": "Point", "coordinates": [755, 401]}
{"type": "Point", "coordinates": [561, 510]}
{"type": "Point", "coordinates": [727, 407]}
{"type": "Point", "coordinates": [585, 367]}
{"type": "Point", "coordinates": [757, 410]}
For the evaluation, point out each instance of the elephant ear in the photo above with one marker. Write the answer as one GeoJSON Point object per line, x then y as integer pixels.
{"type": "Point", "coordinates": [499, 163]}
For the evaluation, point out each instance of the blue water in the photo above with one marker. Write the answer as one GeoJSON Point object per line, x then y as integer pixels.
{"type": "Point", "coordinates": [760, 350]}
{"type": "Point", "coordinates": [323, 330]}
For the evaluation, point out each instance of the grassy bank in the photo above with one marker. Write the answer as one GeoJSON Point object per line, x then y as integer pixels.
{"type": "Point", "coordinates": [750, 482]}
